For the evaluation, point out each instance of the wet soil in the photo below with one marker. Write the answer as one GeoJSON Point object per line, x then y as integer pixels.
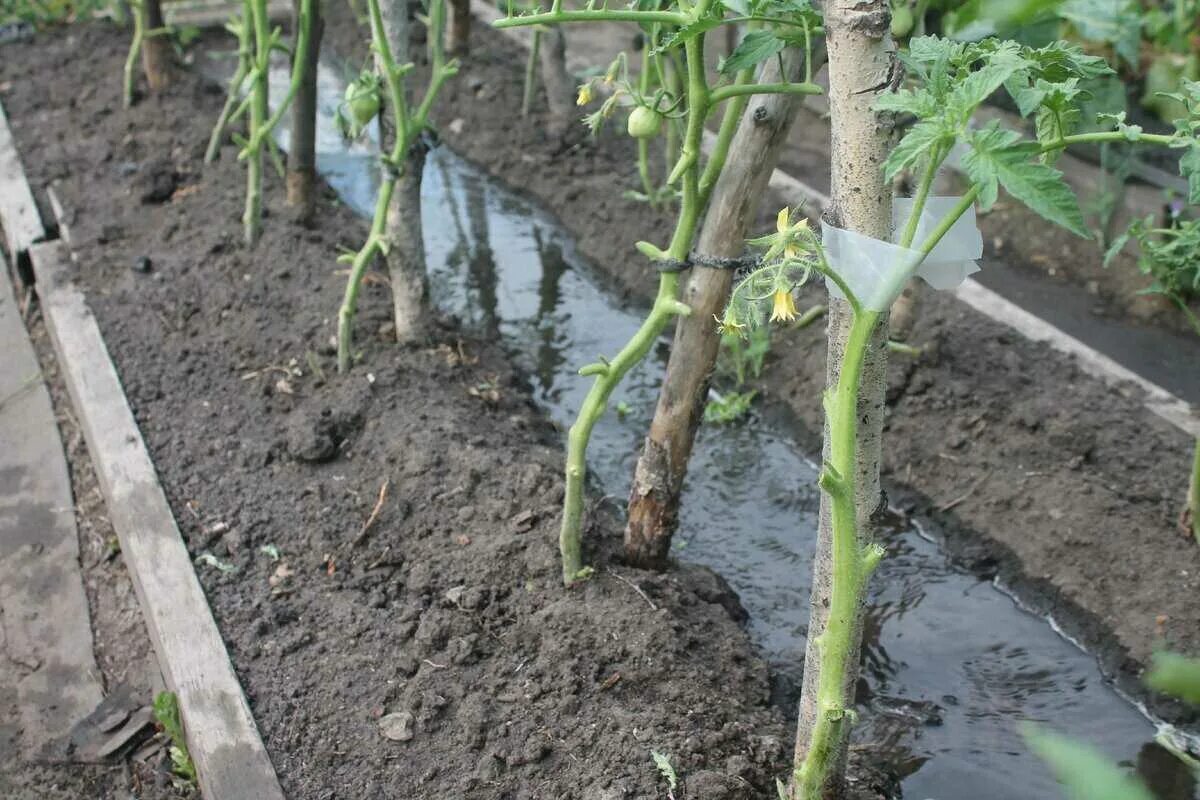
{"type": "Point", "coordinates": [1061, 487]}
{"type": "Point", "coordinates": [384, 564]}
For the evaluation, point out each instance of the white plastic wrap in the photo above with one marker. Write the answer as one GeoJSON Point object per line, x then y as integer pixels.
{"type": "Point", "coordinates": [876, 271]}
{"type": "Point", "coordinates": [955, 255]}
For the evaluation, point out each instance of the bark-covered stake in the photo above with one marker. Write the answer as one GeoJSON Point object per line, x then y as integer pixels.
{"type": "Point", "coordinates": [951, 80]}
{"type": "Point", "coordinates": [860, 57]}
{"type": "Point", "coordinates": [302, 152]}
{"type": "Point", "coordinates": [399, 167]}
{"type": "Point", "coordinates": [753, 154]}
{"type": "Point", "coordinates": [150, 41]}
{"type": "Point", "coordinates": [684, 29]}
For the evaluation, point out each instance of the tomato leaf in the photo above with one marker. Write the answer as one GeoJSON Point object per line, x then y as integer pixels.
{"type": "Point", "coordinates": [755, 48]}
{"type": "Point", "coordinates": [997, 157]}
{"type": "Point", "coordinates": [916, 143]}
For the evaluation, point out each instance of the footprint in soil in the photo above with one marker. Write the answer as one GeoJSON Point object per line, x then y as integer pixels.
{"type": "Point", "coordinates": [316, 434]}
{"type": "Point", "coordinates": [156, 181]}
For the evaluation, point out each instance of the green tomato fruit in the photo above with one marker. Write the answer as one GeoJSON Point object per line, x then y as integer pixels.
{"type": "Point", "coordinates": [362, 102]}
{"type": "Point", "coordinates": [644, 122]}
{"type": "Point", "coordinates": [902, 21]}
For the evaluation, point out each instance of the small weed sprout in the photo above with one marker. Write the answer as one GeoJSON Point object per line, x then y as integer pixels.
{"type": "Point", "coordinates": [166, 713]}
{"type": "Point", "coordinates": [1170, 257]}
{"type": "Point", "coordinates": [663, 762]}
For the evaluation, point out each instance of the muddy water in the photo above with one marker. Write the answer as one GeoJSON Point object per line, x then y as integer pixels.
{"type": "Point", "coordinates": [952, 666]}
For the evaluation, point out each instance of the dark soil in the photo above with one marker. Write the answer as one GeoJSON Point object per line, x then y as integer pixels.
{"type": "Point", "coordinates": [392, 532]}
{"type": "Point", "coordinates": [1064, 488]}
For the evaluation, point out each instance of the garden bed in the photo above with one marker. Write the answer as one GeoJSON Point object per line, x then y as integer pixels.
{"type": "Point", "coordinates": [412, 640]}
{"type": "Point", "coordinates": [1065, 489]}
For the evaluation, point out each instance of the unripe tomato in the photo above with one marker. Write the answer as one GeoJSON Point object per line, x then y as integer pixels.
{"type": "Point", "coordinates": [902, 21]}
{"type": "Point", "coordinates": [362, 102]}
{"type": "Point", "coordinates": [644, 122]}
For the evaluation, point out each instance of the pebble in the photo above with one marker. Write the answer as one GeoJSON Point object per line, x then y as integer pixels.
{"type": "Point", "coordinates": [142, 264]}
{"type": "Point", "coordinates": [397, 726]}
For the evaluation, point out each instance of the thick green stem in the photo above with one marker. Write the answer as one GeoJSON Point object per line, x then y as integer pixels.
{"type": "Point", "coordinates": [262, 122]}
{"type": "Point", "coordinates": [259, 91]}
{"type": "Point", "coordinates": [666, 306]}
{"type": "Point", "coordinates": [723, 93]}
{"type": "Point", "coordinates": [135, 49]}
{"type": "Point", "coordinates": [375, 243]}
{"type": "Point", "coordinates": [531, 73]}
{"type": "Point", "coordinates": [729, 125]}
{"type": "Point", "coordinates": [852, 564]}
{"type": "Point", "coordinates": [235, 85]}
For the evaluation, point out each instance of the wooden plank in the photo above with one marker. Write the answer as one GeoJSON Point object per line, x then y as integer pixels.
{"type": "Point", "coordinates": [205, 14]}
{"type": "Point", "coordinates": [222, 737]}
{"type": "Point", "coordinates": [43, 608]}
{"type": "Point", "coordinates": [18, 212]}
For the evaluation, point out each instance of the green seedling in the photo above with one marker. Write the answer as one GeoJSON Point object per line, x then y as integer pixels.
{"type": "Point", "coordinates": [166, 713]}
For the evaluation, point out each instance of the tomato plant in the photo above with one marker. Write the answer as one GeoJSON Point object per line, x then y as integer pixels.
{"type": "Point", "coordinates": [408, 123]}
{"type": "Point", "coordinates": [671, 30]}
{"type": "Point", "coordinates": [949, 80]}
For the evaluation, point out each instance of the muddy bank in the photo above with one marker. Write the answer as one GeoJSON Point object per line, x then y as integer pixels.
{"type": "Point", "coordinates": [431, 652]}
{"type": "Point", "coordinates": [1065, 489]}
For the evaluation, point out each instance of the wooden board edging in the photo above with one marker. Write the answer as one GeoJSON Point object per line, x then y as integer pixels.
{"type": "Point", "coordinates": [18, 212]}
{"type": "Point", "coordinates": [231, 760]}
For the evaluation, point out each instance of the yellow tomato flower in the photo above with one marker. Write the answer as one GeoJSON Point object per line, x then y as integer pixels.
{"type": "Point", "coordinates": [729, 324]}
{"type": "Point", "coordinates": [782, 219]}
{"type": "Point", "coordinates": [783, 307]}
{"type": "Point", "coordinates": [585, 95]}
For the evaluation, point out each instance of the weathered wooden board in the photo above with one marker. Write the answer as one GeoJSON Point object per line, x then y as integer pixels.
{"type": "Point", "coordinates": [43, 608]}
{"type": "Point", "coordinates": [215, 13]}
{"type": "Point", "coordinates": [18, 212]}
{"type": "Point", "coordinates": [225, 744]}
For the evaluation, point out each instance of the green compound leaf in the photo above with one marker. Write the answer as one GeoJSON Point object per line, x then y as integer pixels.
{"type": "Point", "coordinates": [916, 143]}
{"type": "Point", "coordinates": [1083, 772]}
{"type": "Point", "coordinates": [688, 32]}
{"type": "Point", "coordinates": [755, 48]}
{"type": "Point", "coordinates": [1189, 168]}
{"type": "Point", "coordinates": [1117, 22]}
{"type": "Point", "coordinates": [997, 157]}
